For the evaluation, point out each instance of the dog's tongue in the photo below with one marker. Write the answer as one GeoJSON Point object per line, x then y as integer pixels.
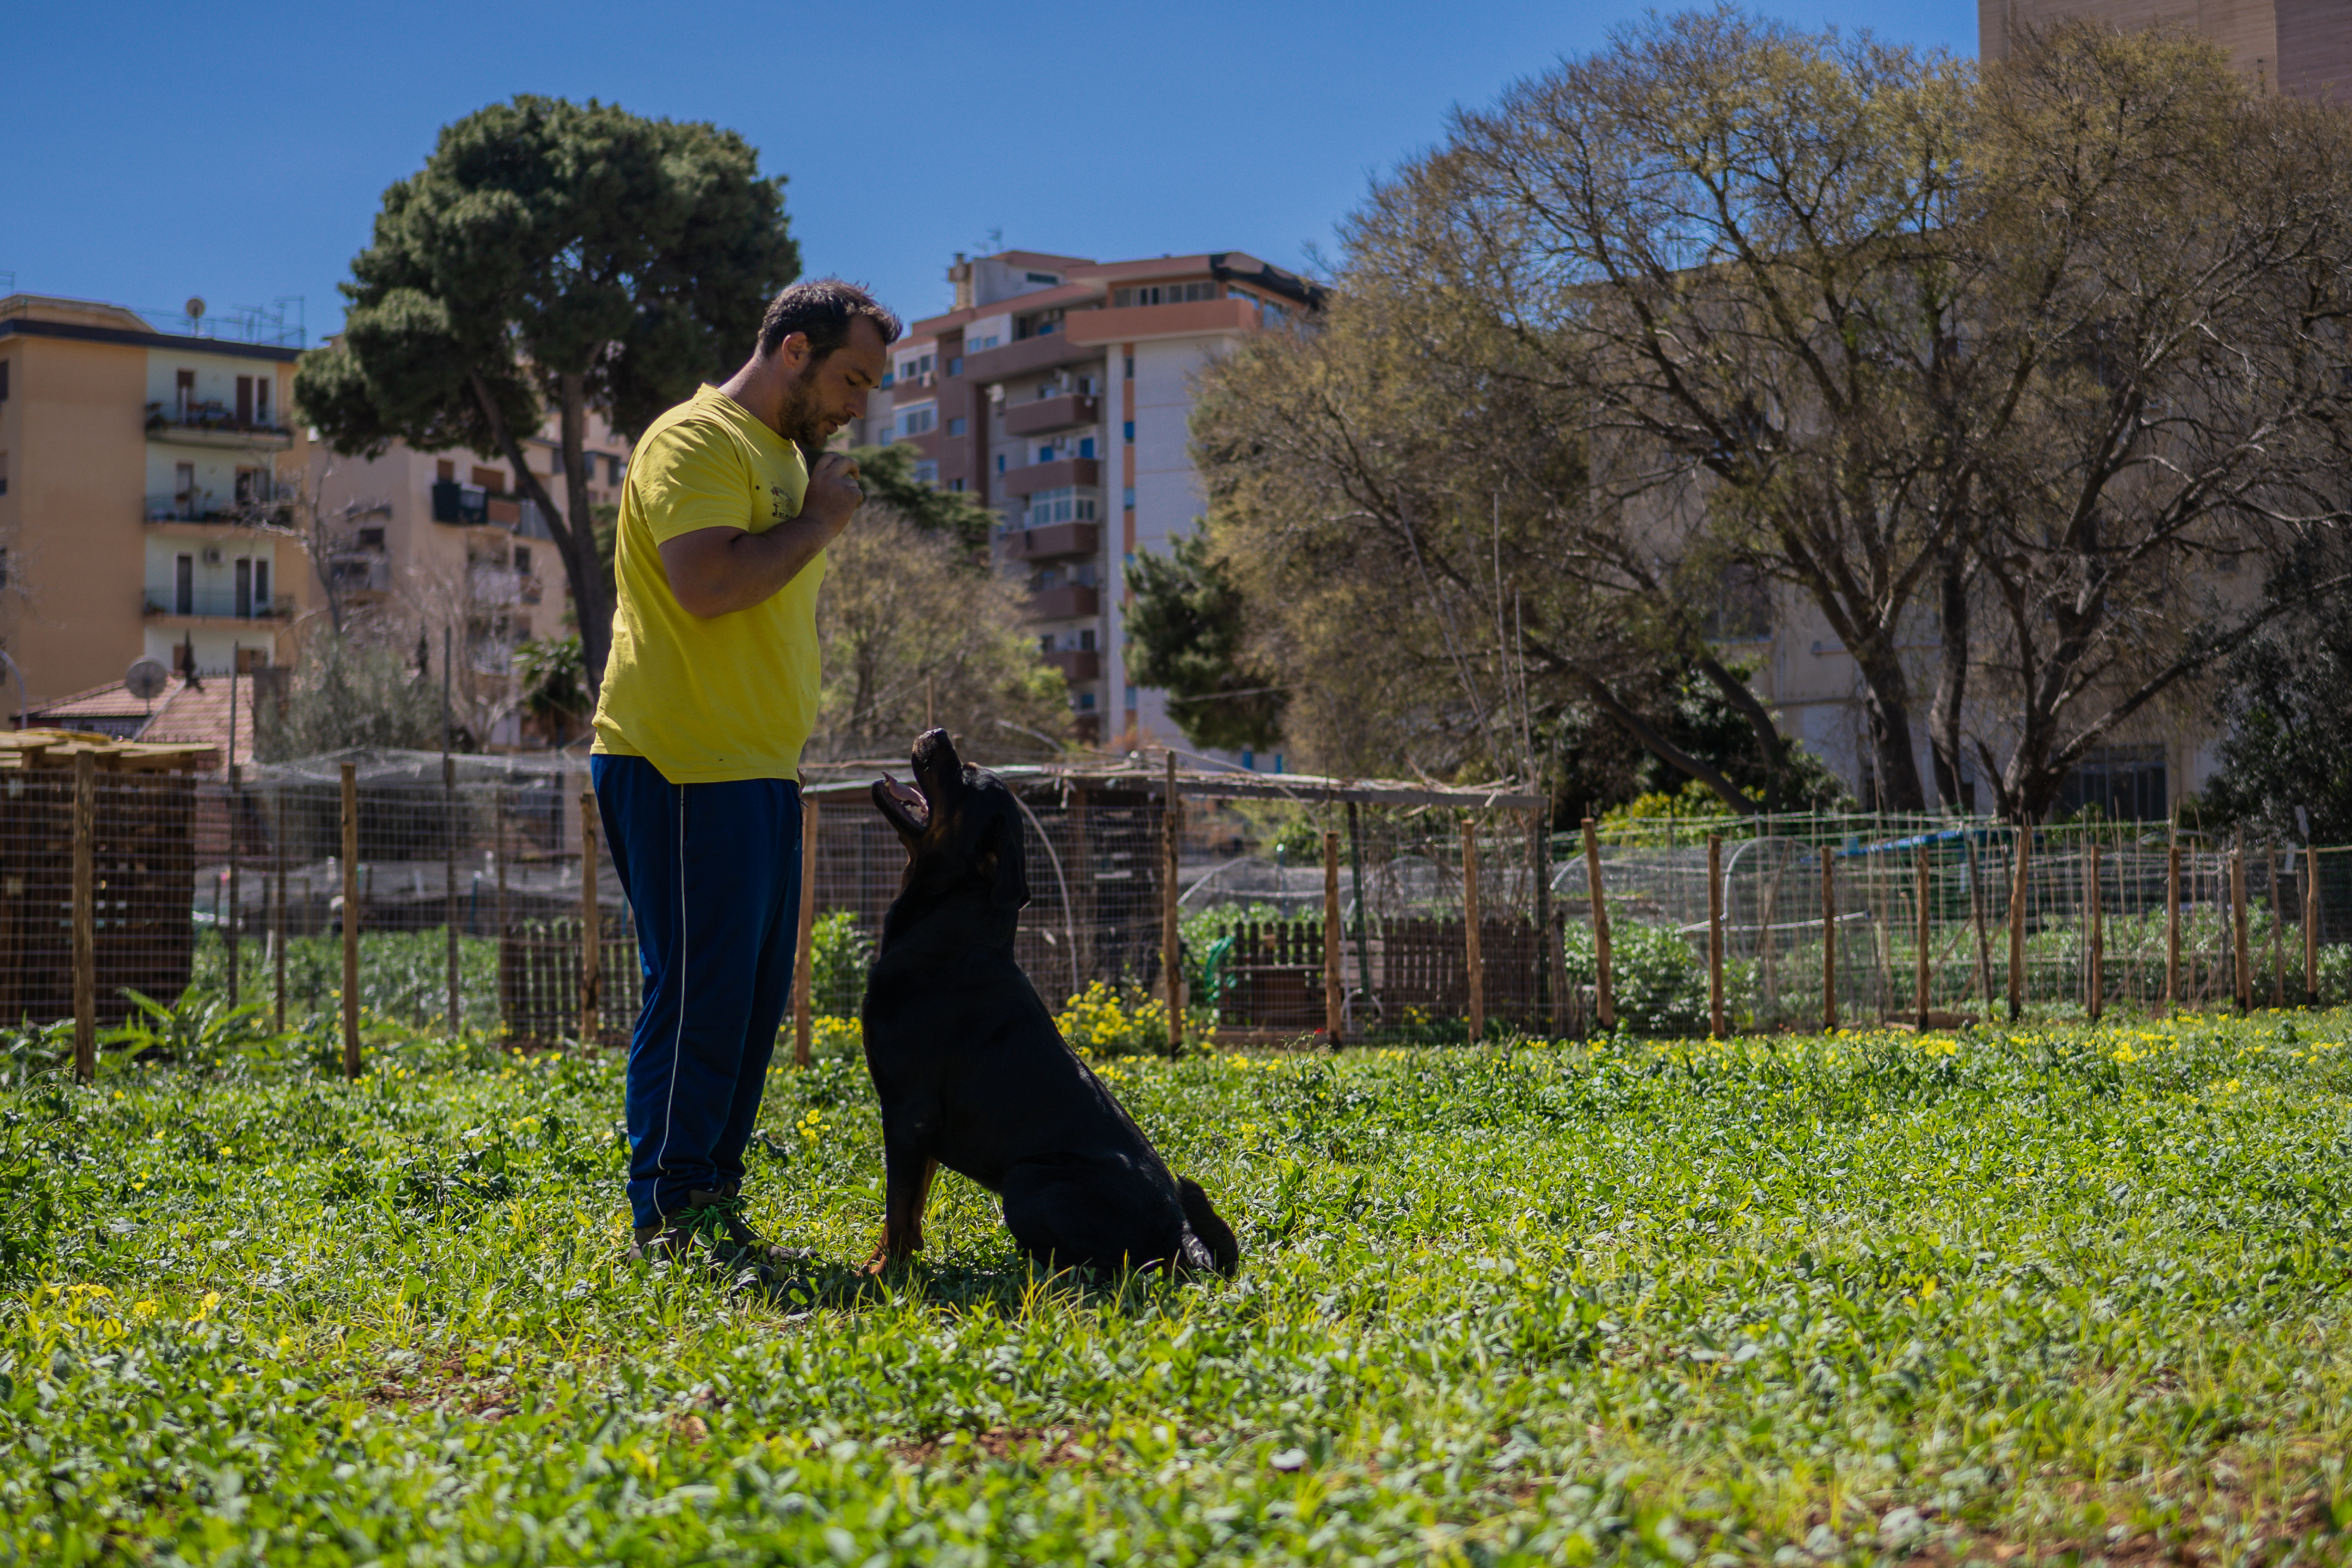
{"type": "Point", "coordinates": [910, 799]}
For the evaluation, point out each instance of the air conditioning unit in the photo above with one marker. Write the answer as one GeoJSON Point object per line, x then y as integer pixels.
{"type": "Point", "coordinates": [211, 556]}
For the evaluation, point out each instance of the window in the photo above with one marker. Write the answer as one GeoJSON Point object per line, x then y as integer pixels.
{"type": "Point", "coordinates": [1127, 499]}
{"type": "Point", "coordinates": [1085, 386]}
{"type": "Point", "coordinates": [261, 585]}
{"type": "Point", "coordinates": [956, 425]}
{"type": "Point", "coordinates": [977, 346]}
{"type": "Point", "coordinates": [1046, 278]}
{"type": "Point", "coordinates": [522, 559]}
{"type": "Point", "coordinates": [3, 568]}
{"type": "Point", "coordinates": [1045, 643]}
{"type": "Point", "coordinates": [1086, 640]}
{"type": "Point", "coordinates": [243, 575]}
{"type": "Point", "coordinates": [184, 391]}
{"type": "Point", "coordinates": [490, 479]}
{"type": "Point", "coordinates": [615, 466]}
{"type": "Point", "coordinates": [917, 420]}
{"type": "Point", "coordinates": [1131, 696]}
{"type": "Point", "coordinates": [184, 585]}
{"type": "Point", "coordinates": [371, 539]}
{"type": "Point", "coordinates": [927, 473]}
{"type": "Point", "coordinates": [446, 471]}
{"type": "Point", "coordinates": [4, 379]}
{"type": "Point", "coordinates": [1162, 294]}
{"type": "Point", "coordinates": [1086, 446]}
{"type": "Point", "coordinates": [261, 400]}
{"type": "Point", "coordinates": [999, 462]}
{"type": "Point", "coordinates": [1068, 503]}
{"type": "Point", "coordinates": [1044, 452]}
{"type": "Point", "coordinates": [1084, 701]}
{"type": "Point", "coordinates": [1130, 432]}
{"type": "Point", "coordinates": [956, 486]}
{"type": "Point", "coordinates": [183, 484]}
{"type": "Point", "coordinates": [4, 473]}
{"type": "Point", "coordinates": [1130, 367]}
{"type": "Point", "coordinates": [245, 400]}
{"type": "Point", "coordinates": [955, 364]}
{"type": "Point", "coordinates": [249, 486]}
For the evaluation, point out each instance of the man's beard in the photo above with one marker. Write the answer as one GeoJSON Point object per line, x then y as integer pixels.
{"type": "Point", "coordinates": [800, 420]}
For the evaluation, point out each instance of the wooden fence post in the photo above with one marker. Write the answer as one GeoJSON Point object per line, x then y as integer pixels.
{"type": "Point", "coordinates": [1363, 909]}
{"type": "Point", "coordinates": [2172, 927]}
{"type": "Point", "coordinates": [1172, 936]}
{"type": "Point", "coordinates": [2017, 923]}
{"type": "Point", "coordinates": [1714, 934]}
{"type": "Point", "coordinates": [2244, 975]}
{"type": "Point", "coordinates": [1603, 994]}
{"type": "Point", "coordinates": [1976, 910]}
{"type": "Point", "coordinates": [1921, 996]}
{"type": "Point", "coordinates": [1335, 990]}
{"type": "Point", "coordinates": [1478, 1020]}
{"type": "Point", "coordinates": [1545, 1003]}
{"type": "Point", "coordinates": [235, 901]}
{"type": "Point", "coordinates": [449, 871]}
{"type": "Point", "coordinates": [804, 943]}
{"type": "Point", "coordinates": [2099, 944]}
{"type": "Point", "coordinates": [2278, 935]}
{"type": "Point", "coordinates": [592, 935]}
{"type": "Point", "coordinates": [278, 932]}
{"type": "Point", "coordinates": [350, 922]}
{"type": "Point", "coordinates": [85, 915]}
{"type": "Point", "coordinates": [1829, 944]}
{"type": "Point", "coordinates": [2310, 926]}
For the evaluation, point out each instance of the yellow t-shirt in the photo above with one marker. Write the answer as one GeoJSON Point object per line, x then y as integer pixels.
{"type": "Point", "coordinates": [730, 696]}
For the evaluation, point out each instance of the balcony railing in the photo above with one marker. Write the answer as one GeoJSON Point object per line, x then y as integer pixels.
{"type": "Point", "coordinates": [1044, 414]}
{"type": "Point", "coordinates": [214, 423]}
{"type": "Point", "coordinates": [1051, 540]}
{"type": "Point", "coordinates": [1077, 665]}
{"type": "Point", "coordinates": [1065, 601]}
{"type": "Point", "coordinates": [202, 506]}
{"type": "Point", "coordinates": [224, 603]}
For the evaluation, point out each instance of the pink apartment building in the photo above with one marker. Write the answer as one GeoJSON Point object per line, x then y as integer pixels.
{"type": "Point", "coordinates": [1059, 391]}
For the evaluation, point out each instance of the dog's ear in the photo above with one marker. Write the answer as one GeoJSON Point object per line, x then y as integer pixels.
{"type": "Point", "coordinates": [1004, 861]}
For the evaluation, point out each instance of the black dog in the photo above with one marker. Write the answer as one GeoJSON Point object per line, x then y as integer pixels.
{"type": "Point", "coordinates": [971, 1070]}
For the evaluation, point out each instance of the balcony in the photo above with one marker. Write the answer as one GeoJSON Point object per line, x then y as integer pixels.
{"type": "Point", "coordinates": [1077, 664]}
{"type": "Point", "coordinates": [1069, 601]}
{"type": "Point", "coordinates": [1056, 538]}
{"type": "Point", "coordinates": [217, 604]}
{"type": "Point", "coordinates": [1032, 354]}
{"type": "Point", "coordinates": [202, 506]}
{"type": "Point", "coordinates": [1045, 414]}
{"type": "Point", "coordinates": [1196, 318]}
{"type": "Point", "coordinates": [214, 423]}
{"type": "Point", "coordinates": [1052, 475]}
{"type": "Point", "coordinates": [359, 571]}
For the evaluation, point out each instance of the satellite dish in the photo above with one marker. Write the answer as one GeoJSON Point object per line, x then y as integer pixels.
{"type": "Point", "coordinates": [195, 306]}
{"type": "Point", "coordinates": [146, 679]}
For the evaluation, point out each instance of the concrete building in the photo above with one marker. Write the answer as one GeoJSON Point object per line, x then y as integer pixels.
{"type": "Point", "coordinates": [136, 467]}
{"type": "Point", "coordinates": [2302, 46]}
{"type": "Point", "coordinates": [1059, 391]}
{"type": "Point", "coordinates": [445, 538]}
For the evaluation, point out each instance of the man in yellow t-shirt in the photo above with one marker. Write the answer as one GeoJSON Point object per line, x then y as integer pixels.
{"type": "Point", "coordinates": [709, 695]}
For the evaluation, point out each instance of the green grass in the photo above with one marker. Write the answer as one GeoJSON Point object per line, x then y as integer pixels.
{"type": "Point", "coordinates": [1861, 1299]}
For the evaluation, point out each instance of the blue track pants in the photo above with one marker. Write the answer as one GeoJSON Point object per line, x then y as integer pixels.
{"type": "Point", "coordinates": [713, 872]}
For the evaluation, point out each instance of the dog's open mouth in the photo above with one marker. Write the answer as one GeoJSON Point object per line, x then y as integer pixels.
{"type": "Point", "coordinates": [904, 803]}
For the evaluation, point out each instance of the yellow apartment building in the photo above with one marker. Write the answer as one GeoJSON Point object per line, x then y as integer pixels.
{"type": "Point", "coordinates": [445, 538]}
{"type": "Point", "coordinates": [135, 469]}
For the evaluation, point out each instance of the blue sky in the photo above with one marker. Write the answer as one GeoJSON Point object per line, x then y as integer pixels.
{"type": "Point", "coordinates": [238, 152]}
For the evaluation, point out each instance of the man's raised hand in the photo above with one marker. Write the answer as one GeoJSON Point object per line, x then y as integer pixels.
{"type": "Point", "coordinates": [833, 492]}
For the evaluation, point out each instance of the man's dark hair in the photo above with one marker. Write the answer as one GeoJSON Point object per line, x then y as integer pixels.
{"type": "Point", "coordinates": [822, 309]}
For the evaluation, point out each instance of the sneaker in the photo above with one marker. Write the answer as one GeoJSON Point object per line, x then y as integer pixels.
{"type": "Point", "coordinates": [713, 1234]}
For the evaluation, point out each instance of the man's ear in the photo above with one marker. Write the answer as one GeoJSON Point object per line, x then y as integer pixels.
{"type": "Point", "coordinates": [1005, 864]}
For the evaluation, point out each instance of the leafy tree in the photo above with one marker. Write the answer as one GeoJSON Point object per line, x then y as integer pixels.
{"type": "Point", "coordinates": [552, 254]}
{"type": "Point", "coordinates": [886, 474]}
{"type": "Point", "coordinates": [1188, 638]}
{"type": "Point", "coordinates": [345, 694]}
{"type": "Point", "coordinates": [554, 687]}
{"type": "Point", "coordinates": [914, 632]}
{"type": "Point", "coordinates": [2286, 745]}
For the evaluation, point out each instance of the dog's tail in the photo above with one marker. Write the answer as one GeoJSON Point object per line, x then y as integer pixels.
{"type": "Point", "coordinates": [1207, 1230]}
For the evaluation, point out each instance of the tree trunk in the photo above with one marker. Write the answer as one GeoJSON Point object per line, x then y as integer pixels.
{"type": "Point", "coordinates": [1886, 698]}
{"type": "Point", "coordinates": [1951, 682]}
{"type": "Point", "coordinates": [1769, 738]}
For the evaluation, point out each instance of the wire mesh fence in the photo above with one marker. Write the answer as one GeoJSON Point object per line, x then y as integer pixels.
{"type": "Point", "coordinates": [476, 892]}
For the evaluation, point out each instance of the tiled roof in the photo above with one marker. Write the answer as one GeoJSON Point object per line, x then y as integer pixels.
{"type": "Point", "coordinates": [198, 715]}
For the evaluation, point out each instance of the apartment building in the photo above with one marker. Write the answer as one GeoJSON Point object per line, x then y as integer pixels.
{"type": "Point", "coordinates": [136, 467]}
{"type": "Point", "coordinates": [2302, 46]}
{"type": "Point", "coordinates": [1059, 391]}
{"type": "Point", "coordinates": [445, 538]}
